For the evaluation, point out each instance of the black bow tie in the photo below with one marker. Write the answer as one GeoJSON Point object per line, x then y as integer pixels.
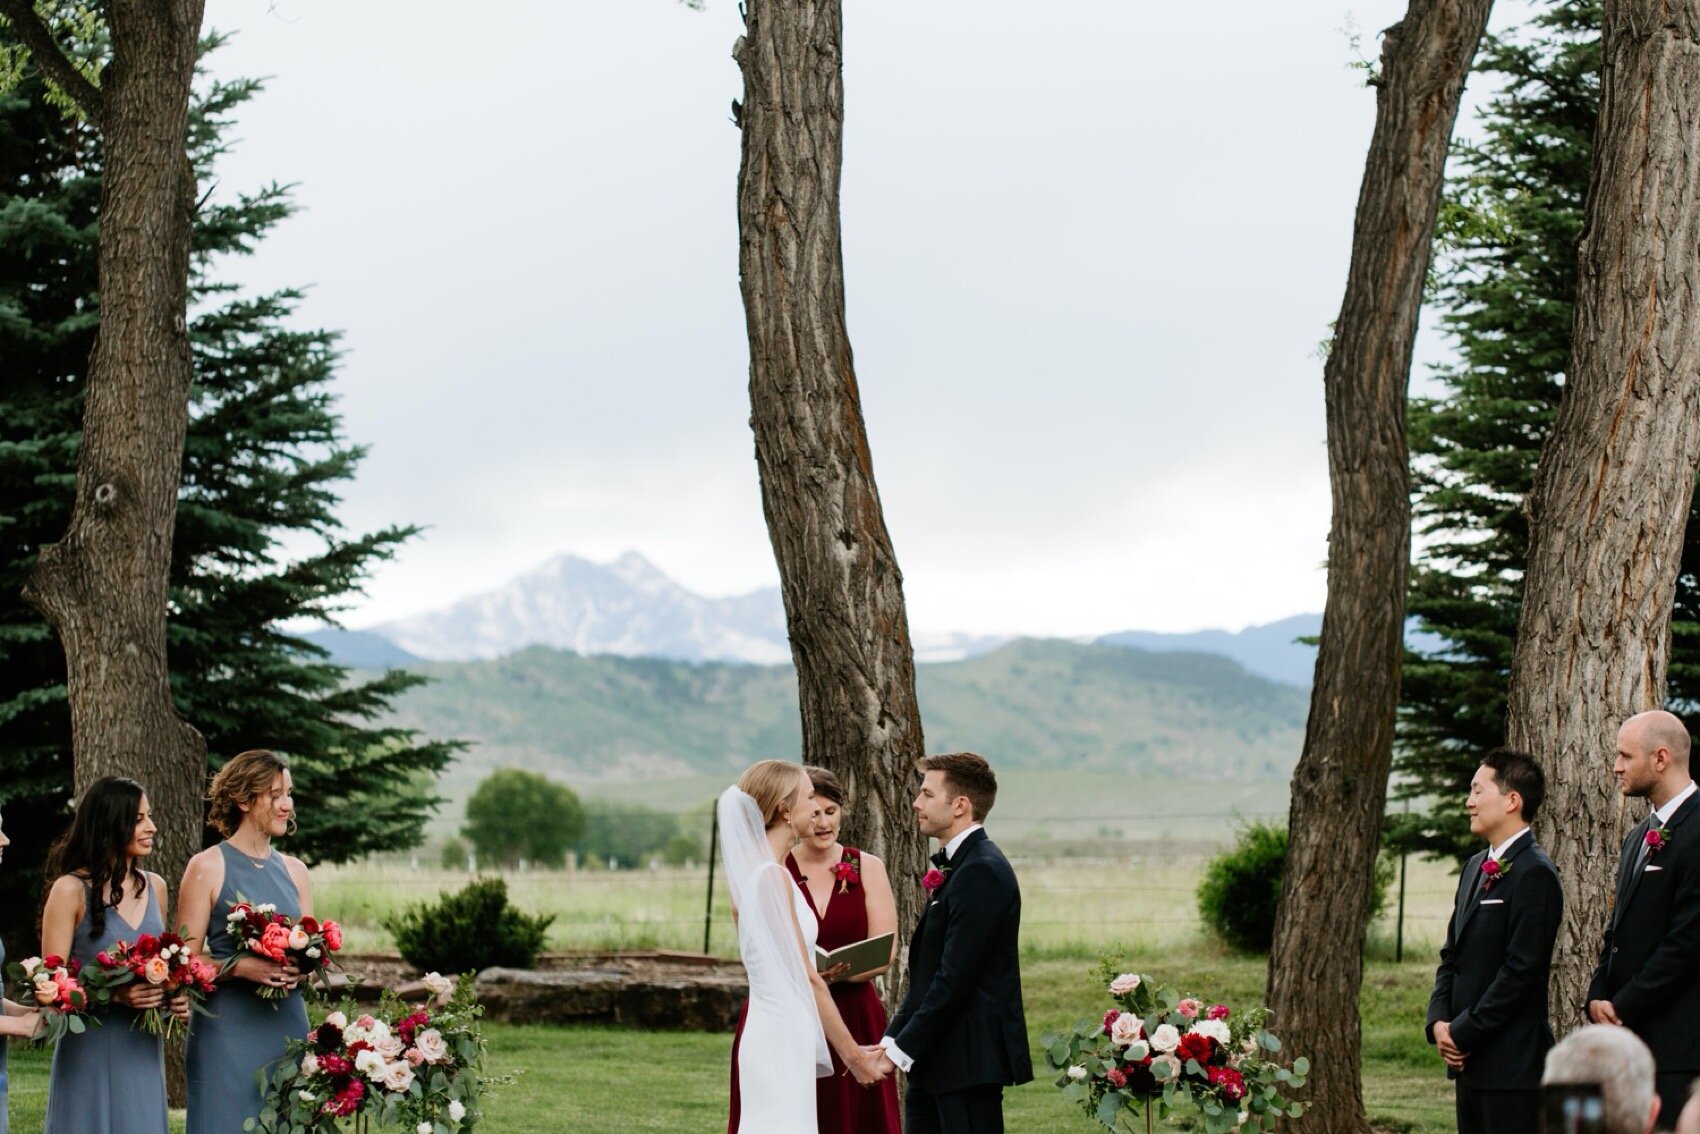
{"type": "Point", "coordinates": [941, 859]}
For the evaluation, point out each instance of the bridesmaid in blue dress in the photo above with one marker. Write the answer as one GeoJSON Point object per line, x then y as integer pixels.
{"type": "Point", "coordinates": [228, 1051]}
{"type": "Point", "coordinates": [110, 1079]}
{"type": "Point", "coordinates": [16, 1020]}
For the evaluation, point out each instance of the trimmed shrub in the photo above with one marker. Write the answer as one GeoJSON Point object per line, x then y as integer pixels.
{"type": "Point", "coordinates": [1242, 886]}
{"type": "Point", "coordinates": [470, 930]}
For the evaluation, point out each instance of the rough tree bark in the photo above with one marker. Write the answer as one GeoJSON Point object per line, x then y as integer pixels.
{"type": "Point", "coordinates": [1340, 784]}
{"type": "Point", "coordinates": [1611, 496]}
{"type": "Point", "coordinates": [843, 590]}
{"type": "Point", "coordinates": [103, 584]}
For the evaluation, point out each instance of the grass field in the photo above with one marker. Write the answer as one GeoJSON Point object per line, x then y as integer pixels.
{"type": "Point", "coordinates": [1079, 906]}
{"type": "Point", "coordinates": [1139, 906]}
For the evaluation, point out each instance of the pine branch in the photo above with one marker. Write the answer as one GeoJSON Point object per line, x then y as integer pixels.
{"type": "Point", "coordinates": [51, 58]}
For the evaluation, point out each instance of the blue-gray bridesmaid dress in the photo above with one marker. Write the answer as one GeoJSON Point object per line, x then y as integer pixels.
{"type": "Point", "coordinates": [5, 1084]}
{"type": "Point", "coordinates": [229, 1050]}
{"type": "Point", "coordinates": [110, 1079]}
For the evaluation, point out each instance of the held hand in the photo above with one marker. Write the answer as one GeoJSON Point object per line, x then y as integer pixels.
{"type": "Point", "coordinates": [867, 1068]}
{"type": "Point", "coordinates": [1602, 1012]}
{"type": "Point", "coordinates": [836, 973]}
{"type": "Point", "coordinates": [180, 1007]}
{"type": "Point", "coordinates": [140, 995]}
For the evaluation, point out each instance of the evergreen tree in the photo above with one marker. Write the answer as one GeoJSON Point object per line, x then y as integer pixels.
{"type": "Point", "coordinates": [263, 461]}
{"type": "Point", "coordinates": [1505, 276]}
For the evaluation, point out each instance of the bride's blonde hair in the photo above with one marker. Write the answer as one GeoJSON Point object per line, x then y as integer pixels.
{"type": "Point", "coordinates": [772, 784]}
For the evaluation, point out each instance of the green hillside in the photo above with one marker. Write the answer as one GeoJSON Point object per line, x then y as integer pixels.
{"type": "Point", "coordinates": [1035, 705]}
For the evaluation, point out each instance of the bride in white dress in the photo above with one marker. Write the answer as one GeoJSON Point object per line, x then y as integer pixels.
{"type": "Point", "coordinates": [791, 1016]}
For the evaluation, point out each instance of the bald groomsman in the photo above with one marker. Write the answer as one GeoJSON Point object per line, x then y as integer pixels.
{"type": "Point", "coordinates": [1648, 978]}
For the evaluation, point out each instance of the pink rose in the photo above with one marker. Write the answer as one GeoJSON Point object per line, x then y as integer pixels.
{"type": "Point", "coordinates": [1124, 984]}
{"type": "Point", "coordinates": [1219, 1012]}
{"type": "Point", "coordinates": [1126, 1029]}
{"type": "Point", "coordinates": [272, 942]}
{"type": "Point", "coordinates": [413, 1057]}
{"type": "Point", "coordinates": [398, 1076]}
{"type": "Point", "coordinates": [932, 879]}
{"type": "Point", "coordinates": [1189, 1008]}
{"type": "Point", "coordinates": [432, 1045]}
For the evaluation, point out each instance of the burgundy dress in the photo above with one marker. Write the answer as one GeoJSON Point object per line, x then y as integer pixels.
{"type": "Point", "coordinates": [842, 1105]}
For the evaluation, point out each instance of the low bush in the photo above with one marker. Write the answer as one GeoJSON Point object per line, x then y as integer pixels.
{"type": "Point", "coordinates": [470, 930]}
{"type": "Point", "coordinates": [1242, 886]}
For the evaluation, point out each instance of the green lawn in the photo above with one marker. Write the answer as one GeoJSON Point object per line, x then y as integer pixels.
{"type": "Point", "coordinates": [595, 1080]}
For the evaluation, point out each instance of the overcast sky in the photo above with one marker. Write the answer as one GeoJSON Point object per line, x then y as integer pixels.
{"type": "Point", "coordinates": [1091, 247]}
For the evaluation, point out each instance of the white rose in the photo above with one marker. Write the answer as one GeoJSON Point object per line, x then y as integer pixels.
{"type": "Point", "coordinates": [1136, 1051]}
{"type": "Point", "coordinates": [370, 1064]}
{"type": "Point", "coordinates": [432, 1045]}
{"type": "Point", "coordinates": [1077, 1072]}
{"type": "Point", "coordinates": [337, 1020]}
{"type": "Point", "coordinates": [389, 1046]}
{"type": "Point", "coordinates": [298, 938]}
{"type": "Point", "coordinates": [457, 1109]}
{"type": "Point", "coordinates": [398, 1077]}
{"type": "Point", "coordinates": [1165, 1039]}
{"type": "Point", "coordinates": [309, 1064]}
{"type": "Point", "coordinates": [1124, 984]}
{"type": "Point", "coordinates": [439, 985]}
{"type": "Point", "coordinates": [1166, 1070]}
{"type": "Point", "coordinates": [424, 1128]}
{"type": "Point", "coordinates": [306, 1096]}
{"type": "Point", "coordinates": [1126, 1029]}
{"type": "Point", "coordinates": [314, 952]}
{"type": "Point", "coordinates": [1213, 1029]}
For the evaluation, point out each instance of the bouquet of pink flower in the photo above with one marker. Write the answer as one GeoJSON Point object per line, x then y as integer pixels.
{"type": "Point", "coordinates": [1156, 1049]}
{"type": "Point", "coordinates": [166, 962]}
{"type": "Point", "coordinates": [264, 932]}
{"type": "Point", "coordinates": [51, 983]}
{"type": "Point", "coordinates": [416, 1067]}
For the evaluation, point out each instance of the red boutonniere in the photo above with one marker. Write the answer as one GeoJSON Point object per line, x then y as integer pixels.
{"type": "Point", "coordinates": [1658, 838]}
{"type": "Point", "coordinates": [848, 870]}
{"type": "Point", "coordinates": [1492, 871]}
{"type": "Point", "coordinates": [932, 879]}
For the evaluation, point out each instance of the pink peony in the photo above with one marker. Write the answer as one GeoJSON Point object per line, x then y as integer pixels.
{"type": "Point", "coordinates": [272, 942]}
{"type": "Point", "coordinates": [333, 936]}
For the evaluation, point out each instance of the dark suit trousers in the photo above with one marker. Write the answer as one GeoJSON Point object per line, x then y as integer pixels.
{"type": "Point", "coordinates": [1672, 1088]}
{"type": "Point", "coordinates": [1498, 1112]}
{"type": "Point", "coordinates": [977, 1110]}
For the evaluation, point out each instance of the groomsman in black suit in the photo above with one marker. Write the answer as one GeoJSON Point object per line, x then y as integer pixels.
{"type": "Point", "coordinates": [1488, 1012]}
{"type": "Point", "coordinates": [960, 1032]}
{"type": "Point", "coordinates": [1648, 977]}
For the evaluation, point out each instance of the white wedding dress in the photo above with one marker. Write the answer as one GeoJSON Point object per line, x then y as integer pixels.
{"type": "Point", "coordinates": [783, 1049]}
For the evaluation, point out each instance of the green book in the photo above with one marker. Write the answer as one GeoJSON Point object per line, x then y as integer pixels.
{"type": "Point", "coordinates": [864, 956]}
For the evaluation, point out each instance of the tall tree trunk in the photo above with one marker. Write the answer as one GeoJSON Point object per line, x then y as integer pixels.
{"type": "Point", "coordinates": [843, 590]}
{"type": "Point", "coordinates": [1340, 784]}
{"type": "Point", "coordinates": [103, 584]}
{"type": "Point", "coordinates": [1611, 496]}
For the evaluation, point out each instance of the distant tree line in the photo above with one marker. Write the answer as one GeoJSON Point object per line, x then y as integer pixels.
{"type": "Point", "coordinates": [515, 817]}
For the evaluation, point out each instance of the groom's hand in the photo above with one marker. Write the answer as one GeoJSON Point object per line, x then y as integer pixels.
{"type": "Point", "coordinates": [885, 1064]}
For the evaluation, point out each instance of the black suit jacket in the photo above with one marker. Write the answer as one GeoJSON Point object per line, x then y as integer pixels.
{"type": "Point", "coordinates": [961, 1020]}
{"type": "Point", "coordinates": [1491, 985]}
{"type": "Point", "coordinates": [1650, 966]}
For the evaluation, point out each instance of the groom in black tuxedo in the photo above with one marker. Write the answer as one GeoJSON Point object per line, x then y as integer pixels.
{"type": "Point", "coordinates": [1648, 978]}
{"type": "Point", "coordinates": [1488, 1013]}
{"type": "Point", "coordinates": [960, 1033]}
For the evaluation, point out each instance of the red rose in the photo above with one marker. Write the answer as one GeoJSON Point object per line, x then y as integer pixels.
{"type": "Point", "coordinates": [1115, 1077]}
{"type": "Point", "coordinates": [310, 924]}
{"type": "Point", "coordinates": [1219, 1012]}
{"type": "Point", "coordinates": [52, 960]}
{"type": "Point", "coordinates": [1231, 1082]}
{"type": "Point", "coordinates": [932, 879]}
{"type": "Point", "coordinates": [333, 936]}
{"type": "Point", "coordinates": [1194, 1046]}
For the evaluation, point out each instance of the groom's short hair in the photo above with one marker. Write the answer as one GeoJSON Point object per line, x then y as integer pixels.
{"type": "Point", "coordinates": [965, 773]}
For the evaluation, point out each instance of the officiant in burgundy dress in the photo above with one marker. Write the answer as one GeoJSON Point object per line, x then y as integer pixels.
{"type": "Point", "coordinates": [851, 896]}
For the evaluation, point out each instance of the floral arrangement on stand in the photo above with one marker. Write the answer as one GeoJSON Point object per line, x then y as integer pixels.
{"type": "Point", "coordinates": [51, 983]}
{"type": "Point", "coordinates": [166, 962]}
{"type": "Point", "coordinates": [419, 1068]}
{"type": "Point", "coordinates": [264, 932]}
{"type": "Point", "coordinates": [1157, 1050]}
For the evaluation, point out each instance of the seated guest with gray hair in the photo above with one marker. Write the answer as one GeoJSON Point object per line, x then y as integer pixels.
{"type": "Point", "coordinates": [1615, 1059]}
